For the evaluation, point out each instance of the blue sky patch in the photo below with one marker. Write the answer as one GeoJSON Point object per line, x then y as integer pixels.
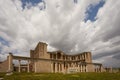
{"type": "Point", "coordinates": [33, 2]}
{"type": "Point", "coordinates": [4, 42]}
{"type": "Point", "coordinates": [93, 10]}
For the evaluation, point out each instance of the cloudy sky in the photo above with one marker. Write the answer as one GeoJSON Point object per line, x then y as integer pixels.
{"type": "Point", "coordinates": [73, 26]}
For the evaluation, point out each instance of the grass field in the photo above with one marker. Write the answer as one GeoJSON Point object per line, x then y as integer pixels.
{"type": "Point", "coordinates": [58, 76]}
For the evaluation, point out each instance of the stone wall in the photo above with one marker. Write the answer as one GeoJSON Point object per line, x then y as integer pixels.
{"type": "Point", "coordinates": [4, 66]}
{"type": "Point", "coordinates": [42, 66]}
{"type": "Point", "coordinates": [90, 68]}
{"type": "Point", "coordinates": [61, 62]}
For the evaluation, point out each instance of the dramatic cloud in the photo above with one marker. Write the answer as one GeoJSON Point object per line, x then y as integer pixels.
{"type": "Point", "coordinates": [72, 26]}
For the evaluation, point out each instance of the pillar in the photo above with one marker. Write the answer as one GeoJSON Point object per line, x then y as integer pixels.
{"type": "Point", "coordinates": [56, 67]}
{"type": "Point", "coordinates": [81, 68]}
{"type": "Point", "coordinates": [28, 66]}
{"type": "Point", "coordinates": [52, 67]}
{"type": "Point", "coordinates": [19, 69]}
{"type": "Point", "coordinates": [68, 65]}
{"type": "Point", "coordinates": [78, 67]}
{"type": "Point", "coordinates": [59, 67]}
{"type": "Point", "coordinates": [73, 65]}
{"type": "Point", "coordinates": [56, 56]}
{"type": "Point", "coordinates": [10, 65]}
{"type": "Point", "coordinates": [89, 57]}
{"type": "Point", "coordinates": [86, 68]}
{"type": "Point", "coordinates": [35, 64]}
{"type": "Point", "coordinates": [85, 57]}
{"type": "Point", "coordinates": [63, 67]}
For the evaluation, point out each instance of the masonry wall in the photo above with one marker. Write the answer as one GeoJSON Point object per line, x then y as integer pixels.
{"type": "Point", "coordinates": [4, 66]}
{"type": "Point", "coordinates": [40, 52]}
{"type": "Point", "coordinates": [103, 69]}
{"type": "Point", "coordinates": [42, 67]}
{"type": "Point", "coordinates": [88, 57]}
{"type": "Point", "coordinates": [90, 68]}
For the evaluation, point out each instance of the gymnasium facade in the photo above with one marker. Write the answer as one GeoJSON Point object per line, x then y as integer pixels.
{"type": "Point", "coordinates": [41, 61]}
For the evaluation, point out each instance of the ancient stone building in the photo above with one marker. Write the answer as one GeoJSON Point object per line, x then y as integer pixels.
{"type": "Point", "coordinates": [42, 61]}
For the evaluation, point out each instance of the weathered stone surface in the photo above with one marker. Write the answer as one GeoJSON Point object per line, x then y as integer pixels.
{"type": "Point", "coordinates": [42, 61]}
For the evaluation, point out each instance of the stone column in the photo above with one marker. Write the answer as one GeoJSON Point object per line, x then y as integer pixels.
{"type": "Point", "coordinates": [35, 64]}
{"type": "Point", "coordinates": [81, 57]}
{"type": "Point", "coordinates": [52, 56]}
{"type": "Point", "coordinates": [85, 57]}
{"type": "Point", "coordinates": [63, 67]}
{"type": "Point", "coordinates": [52, 67]}
{"type": "Point", "coordinates": [86, 68]}
{"type": "Point", "coordinates": [89, 57]}
{"type": "Point", "coordinates": [73, 65]}
{"type": "Point", "coordinates": [56, 56]}
{"type": "Point", "coordinates": [59, 67]}
{"type": "Point", "coordinates": [81, 68]}
{"type": "Point", "coordinates": [56, 67]}
{"type": "Point", "coordinates": [78, 67]}
{"type": "Point", "coordinates": [19, 66]}
{"type": "Point", "coordinates": [10, 59]}
{"type": "Point", "coordinates": [68, 65]}
{"type": "Point", "coordinates": [28, 66]}
{"type": "Point", "coordinates": [100, 68]}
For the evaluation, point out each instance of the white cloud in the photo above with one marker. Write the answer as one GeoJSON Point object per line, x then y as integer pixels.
{"type": "Point", "coordinates": [61, 25]}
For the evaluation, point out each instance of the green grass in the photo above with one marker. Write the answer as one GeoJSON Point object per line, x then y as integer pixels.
{"type": "Point", "coordinates": [58, 76]}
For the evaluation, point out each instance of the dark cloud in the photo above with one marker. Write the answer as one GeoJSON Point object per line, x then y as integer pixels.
{"type": "Point", "coordinates": [106, 53]}
{"type": "Point", "coordinates": [117, 56]}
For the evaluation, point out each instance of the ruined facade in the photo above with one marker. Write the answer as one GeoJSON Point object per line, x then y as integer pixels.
{"type": "Point", "coordinates": [52, 62]}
